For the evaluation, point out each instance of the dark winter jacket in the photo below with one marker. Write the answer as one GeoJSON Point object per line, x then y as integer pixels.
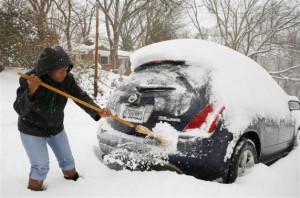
{"type": "Point", "coordinates": [43, 114]}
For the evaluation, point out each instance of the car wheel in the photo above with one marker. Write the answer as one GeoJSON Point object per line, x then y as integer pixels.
{"type": "Point", "coordinates": [243, 158]}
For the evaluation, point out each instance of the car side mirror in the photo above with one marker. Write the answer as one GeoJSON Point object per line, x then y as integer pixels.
{"type": "Point", "coordinates": [294, 105]}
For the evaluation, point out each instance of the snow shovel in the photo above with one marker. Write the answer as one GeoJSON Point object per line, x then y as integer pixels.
{"type": "Point", "coordinates": [139, 128]}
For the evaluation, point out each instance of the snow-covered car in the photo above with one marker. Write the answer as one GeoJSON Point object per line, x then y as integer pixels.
{"type": "Point", "coordinates": [213, 113]}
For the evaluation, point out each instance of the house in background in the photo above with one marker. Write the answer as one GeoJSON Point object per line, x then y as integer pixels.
{"type": "Point", "coordinates": [85, 53]}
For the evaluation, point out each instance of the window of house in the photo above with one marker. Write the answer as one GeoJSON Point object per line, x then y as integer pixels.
{"type": "Point", "coordinates": [104, 60]}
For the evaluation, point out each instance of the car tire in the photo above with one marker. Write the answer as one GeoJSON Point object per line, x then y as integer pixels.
{"type": "Point", "coordinates": [243, 158]}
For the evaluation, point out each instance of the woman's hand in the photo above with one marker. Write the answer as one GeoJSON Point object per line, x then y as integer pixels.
{"type": "Point", "coordinates": [104, 113]}
{"type": "Point", "coordinates": [33, 84]}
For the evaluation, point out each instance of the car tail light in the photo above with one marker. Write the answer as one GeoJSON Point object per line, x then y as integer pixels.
{"type": "Point", "coordinates": [200, 118]}
{"type": "Point", "coordinates": [206, 119]}
{"type": "Point", "coordinates": [215, 121]}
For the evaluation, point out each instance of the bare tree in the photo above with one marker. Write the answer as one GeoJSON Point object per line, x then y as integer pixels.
{"type": "Point", "coordinates": [41, 7]}
{"type": "Point", "coordinates": [72, 19]}
{"type": "Point", "coordinates": [158, 21]}
{"type": "Point", "coordinates": [162, 20]}
{"type": "Point", "coordinates": [194, 9]}
{"type": "Point", "coordinates": [132, 23]}
{"type": "Point", "coordinates": [287, 66]}
{"type": "Point", "coordinates": [116, 14]}
{"type": "Point", "coordinates": [264, 30]}
{"type": "Point", "coordinates": [132, 32]}
{"type": "Point", "coordinates": [249, 26]}
{"type": "Point", "coordinates": [84, 14]}
{"type": "Point", "coordinates": [64, 21]}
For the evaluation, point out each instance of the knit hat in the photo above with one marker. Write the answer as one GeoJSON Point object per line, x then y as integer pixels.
{"type": "Point", "coordinates": [52, 59]}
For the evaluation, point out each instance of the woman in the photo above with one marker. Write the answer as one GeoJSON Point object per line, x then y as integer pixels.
{"type": "Point", "coordinates": [41, 115]}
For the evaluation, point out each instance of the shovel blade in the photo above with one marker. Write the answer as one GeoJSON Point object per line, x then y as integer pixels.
{"type": "Point", "coordinates": [143, 130]}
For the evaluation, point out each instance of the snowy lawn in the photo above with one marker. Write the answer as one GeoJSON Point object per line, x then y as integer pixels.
{"type": "Point", "coordinates": [282, 179]}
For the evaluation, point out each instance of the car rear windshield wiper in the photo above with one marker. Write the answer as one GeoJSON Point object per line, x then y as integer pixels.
{"type": "Point", "coordinates": [143, 89]}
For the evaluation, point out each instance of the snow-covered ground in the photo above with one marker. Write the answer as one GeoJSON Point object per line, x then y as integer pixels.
{"type": "Point", "coordinates": [282, 179]}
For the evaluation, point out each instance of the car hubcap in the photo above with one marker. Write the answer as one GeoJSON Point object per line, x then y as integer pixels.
{"type": "Point", "coordinates": [246, 162]}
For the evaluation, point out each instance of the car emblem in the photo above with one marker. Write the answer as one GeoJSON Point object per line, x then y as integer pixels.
{"type": "Point", "coordinates": [132, 98]}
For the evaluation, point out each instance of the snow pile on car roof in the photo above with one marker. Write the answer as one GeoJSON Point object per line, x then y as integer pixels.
{"type": "Point", "coordinates": [241, 85]}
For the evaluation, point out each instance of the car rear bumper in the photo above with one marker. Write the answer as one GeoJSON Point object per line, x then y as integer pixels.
{"type": "Point", "coordinates": [203, 158]}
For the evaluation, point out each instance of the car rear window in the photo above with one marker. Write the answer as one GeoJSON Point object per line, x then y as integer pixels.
{"type": "Point", "coordinates": [171, 90]}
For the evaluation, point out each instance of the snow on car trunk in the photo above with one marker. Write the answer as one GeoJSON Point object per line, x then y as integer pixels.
{"type": "Point", "coordinates": [241, 85]}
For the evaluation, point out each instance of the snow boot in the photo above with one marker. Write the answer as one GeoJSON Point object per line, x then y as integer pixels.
{"type": "Point", "coordinates": [35, 185]}
{"type": "Point", "coordinates": [71, 174]}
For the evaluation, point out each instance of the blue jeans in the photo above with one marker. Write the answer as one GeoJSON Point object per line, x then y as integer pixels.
{"type": "Point", "coordinates": [37, 151]}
